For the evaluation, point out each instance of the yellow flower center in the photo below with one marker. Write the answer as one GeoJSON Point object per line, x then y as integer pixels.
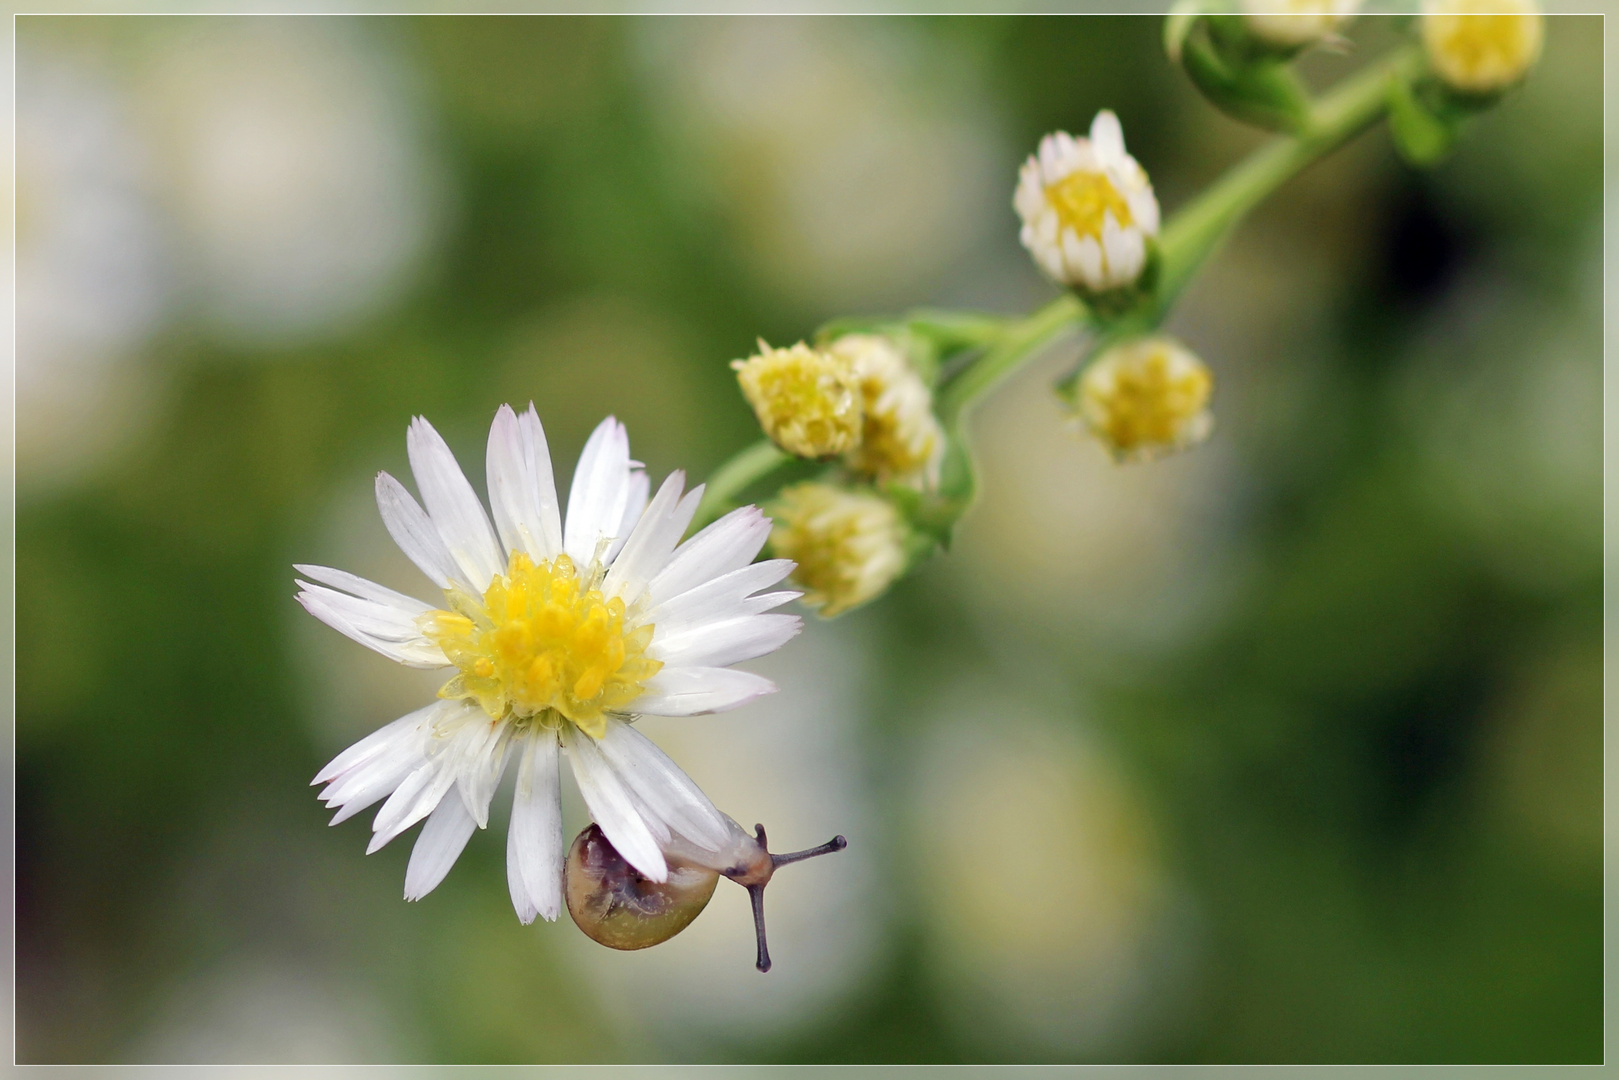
{"type": "Point", "coordinates": [1082, 198]}
{"type": "Point", "coordinates": [542, 638]}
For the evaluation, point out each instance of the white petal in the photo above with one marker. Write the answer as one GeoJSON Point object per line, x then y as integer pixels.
{"type": "Point", "coordinates": [689, 691]}
{"type": "Point", "coordinates": [728, 544]}
{"type": "Point", "coordinates": [379, 627]}
{"type": "Point", "coordinates": [453, 505]}
{"type": "Point", "coordinates": [648, 549]}
{"type": "Point", "coordinates": [455, 734]}
{"type": "Point", "coordinates": [522, 491]}
{"type": "Point", "coordinates": [1144, 210]}
{"type": "Point", "coordinates": [374, 767]}
{"type": "Point", "coordinates": [359, 586]}
{"type": "Point", "coordinates": [1086, 262]}
{"type": "Point", "coordinates": [442, 840]}
{"type": "Point", "coordinates": [413, 531]}
{"type": "Point", "coordinates": [1047, 227]}
{"type": "Point", "coordinates": [613, 808]}
{"type": "Point", "coordinates": [483, 764]}
{"type": "Point", "coordinates": [721, 598]}
{"type": "Point", "coordinates": [731, 641]}
{"type": "Point", "coordinates": [1126, 254]}
{"type": "Point", "coordinates": [634, 505]}
{"type": "Point", "coordinates": [380, 739]}
{"type": "Point", "coordinates": [1049, 256]}
{"type": "Point", "coordinates": [1030, 197]}
{"type": "Point", "coordinates": [534, 841]}
{"type": "Point", "coordinates": [375, 780]}
{"type": "Point", "coordinates": [661, 788]}
{"type": "Point", "coordinates": [416, 796]}
{"type": "Point", "coordinates": [601, 490]}
{"type": "Point", "coordinates": [1107, 135]}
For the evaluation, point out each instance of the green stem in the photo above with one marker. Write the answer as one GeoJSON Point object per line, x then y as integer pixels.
{"type": "Point", "coordinates": [1188, 239]}
{"type": "Point", "coordinates": [744, 469]}
{"type": "Point", "coordinates": [1019, 341]}
{"type": "Point", "coordinates": [1198, 229]}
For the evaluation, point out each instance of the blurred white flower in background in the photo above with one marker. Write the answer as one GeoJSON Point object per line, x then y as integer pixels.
{"type": "Point", "coordinates": [269, 173]}
{"type": "Point", "coordinates": [1041, 879]}
{"type": "Point", "coordinates": [92, 272]}
{"type": "Point", "coordinates": [852, 172]}
{"type": "Point", "coordinates": [792, 761]}
{"type": "Point", "coordinates": [296, 172]}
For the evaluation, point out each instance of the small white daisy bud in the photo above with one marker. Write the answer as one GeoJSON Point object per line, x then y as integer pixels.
{"type": "Point", "coordinates": [1147, 397]}
{"type": "Point", "coordinates": [849, 545]}
{"type": "Point", "coordinates": [1088, 209]}
{"type": "Point", "coordinates": [808, 401]}
{"type": "Point", "coordinates": [1481, 46]}
{"type": "Point", "coordinates": [901, 438]}
{"type": "Point", "coordinates": [1291, 24]}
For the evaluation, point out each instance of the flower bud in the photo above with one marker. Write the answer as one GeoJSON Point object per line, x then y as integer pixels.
{"type": "Point", "coordinates": [849, 545]}
{"type": "Point", "coordinates": [1291, 24]}
{"type": "Point", "coordinates": [1481, 46]}
{"type": "Point", "coordinates": [901, 438]}
{"type": "Point", "coordinates": [1146, 397]}
{"type": "Point", "coordinates": [807, 400]}
{"type": "Point", "coordinates": [1088, 209]}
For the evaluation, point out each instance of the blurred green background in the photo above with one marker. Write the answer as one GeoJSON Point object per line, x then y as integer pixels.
{"type": "Point", "coordinates": [1287, 749]}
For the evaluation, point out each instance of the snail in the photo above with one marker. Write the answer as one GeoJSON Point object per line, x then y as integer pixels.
{"type": "Point", "coordinates": [614, 904]}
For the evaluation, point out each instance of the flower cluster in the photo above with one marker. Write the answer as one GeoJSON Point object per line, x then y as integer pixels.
{"type": "Point", "coordinates": [861, 402]}
{"type": "Point", "coordinates": [557, 631]}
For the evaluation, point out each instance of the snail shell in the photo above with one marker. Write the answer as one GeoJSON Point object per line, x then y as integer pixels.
{"type": "Point", "coordinates": [615, 905]}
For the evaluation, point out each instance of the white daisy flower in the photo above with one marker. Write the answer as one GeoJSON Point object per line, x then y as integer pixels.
{"type": "Point", "coordinates": [563, 630]}
{"type": "Point", "coordinates": [1088, 209]}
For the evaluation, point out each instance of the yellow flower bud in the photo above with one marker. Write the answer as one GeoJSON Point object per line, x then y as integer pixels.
{"type": "Point", "coordinates": [1147, 397]}
{"type": "Point", "coordinates": [849, 545]}
{"type": "Point", "coordinates": [807, 400]}
{"type": "Point", "coordinates": [901, 438]}
{"type": "Point", "coordinates": [1291, 23]}
{"type": "Point", "coordinates": [1481, 46]}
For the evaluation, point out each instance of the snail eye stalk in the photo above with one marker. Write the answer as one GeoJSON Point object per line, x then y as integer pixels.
{"type": "Point", "coordinates": [756, 874]}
